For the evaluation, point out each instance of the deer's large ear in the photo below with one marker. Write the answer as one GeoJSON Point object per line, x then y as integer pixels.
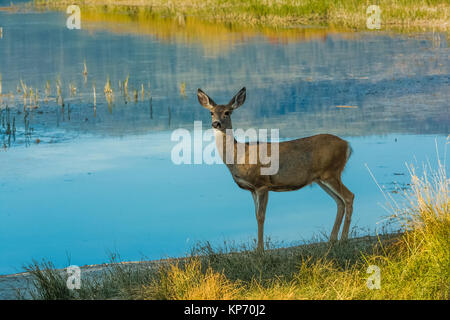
{"type": "Point", "coordinates": [205, 100]}
{"type": "Point", "coordinates": [238, 99]}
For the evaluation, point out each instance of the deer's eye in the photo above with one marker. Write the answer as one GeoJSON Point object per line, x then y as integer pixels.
{"type": "Point", "coordinates": [227, 113]}
{"type": "Point", "coordinates": [212, 113]}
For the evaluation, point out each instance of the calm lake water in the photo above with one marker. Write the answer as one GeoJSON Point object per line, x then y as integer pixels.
{"type": "Point", "coordinates": [81, 181]}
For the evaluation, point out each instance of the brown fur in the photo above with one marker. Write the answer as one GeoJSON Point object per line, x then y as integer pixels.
{"type": "Point", "coordinates": [320, 158]}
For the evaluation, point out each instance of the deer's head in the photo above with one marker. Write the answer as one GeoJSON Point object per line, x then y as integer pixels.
{"type": "Point", "coordinates": [221, 114]}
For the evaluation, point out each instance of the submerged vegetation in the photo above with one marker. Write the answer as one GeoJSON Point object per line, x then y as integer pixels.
{"type": "Point", "coordinates": [26, 102]}
{"type": "Point", "coordinates": [409, 14]}
{"type": "Point", "coordinates": [413, 264]}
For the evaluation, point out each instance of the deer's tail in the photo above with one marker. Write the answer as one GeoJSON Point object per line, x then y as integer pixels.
{"type": "Point", "coordinates": [349, 151]}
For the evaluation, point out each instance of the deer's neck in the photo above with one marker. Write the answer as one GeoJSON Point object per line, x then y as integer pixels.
{"type": "Point", "coordinates": [226, 145]}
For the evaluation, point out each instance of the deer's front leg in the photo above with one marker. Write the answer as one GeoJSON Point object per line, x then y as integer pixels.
{"type": "Point", "coordinates": [260, 197]}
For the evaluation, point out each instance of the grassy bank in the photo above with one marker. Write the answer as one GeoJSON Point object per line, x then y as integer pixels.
{"type": "Point", "coordinates": [349, 14]}
{"type": "Point", "coordinates": [414, 264]}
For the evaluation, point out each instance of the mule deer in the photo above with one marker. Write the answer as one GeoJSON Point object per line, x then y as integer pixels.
{"type": "Point", "coordinates": [320, 159]}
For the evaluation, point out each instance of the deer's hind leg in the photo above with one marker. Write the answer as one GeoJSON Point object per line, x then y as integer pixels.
{"type": "Point", "coordinates": [349, 197]}
{"type": "Point", "coordinates": [340, 210]}
{"type": "Point", "coordinates": [336, 187]}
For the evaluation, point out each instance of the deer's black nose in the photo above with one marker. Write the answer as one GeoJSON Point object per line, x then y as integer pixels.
{"type": "Point", "coordinates": [216, 125]}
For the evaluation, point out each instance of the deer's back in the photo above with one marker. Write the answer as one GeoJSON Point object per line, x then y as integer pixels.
{"type": "Point", "coordinates": [301, 162]}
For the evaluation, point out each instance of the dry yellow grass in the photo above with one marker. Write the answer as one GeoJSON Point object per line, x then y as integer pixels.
{"type": "Point", "coordinates": [190, 283]}
{"type": "Point", "coordinates": [409, 14]}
